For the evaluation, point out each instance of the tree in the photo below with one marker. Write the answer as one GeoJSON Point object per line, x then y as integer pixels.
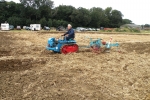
{"type": "Point", "coordinates": [49, 23]}
{"type": "Point", "coordinates": [97, 17]}
{"type": "Point", "coordinates": [116, 18]}
{"type": "Point", "coordinates": [113, 17]}
{"type": "Point", "coordinates": [57, 23]}
{"type": "Point", "coordinates": [3, 11]}
{"type": "Point", "coordinates": [41, 11]}
{"type": "Point", "coordinates": [28, 22]}
{"type": "Point", "coordinates": [2, 1]}
{"type": "Point", "coordinates": [107, 12]}
{"type": "Point", "coordinates": [107, 19]}
{"type": "Point", "coordinates": [45, 11]}
{"type": "Point", "coordinates": [126, 21]}
{"type": "Point", "coordinates": [81, 17]}
{"type": "Point", "coordinates": [147, 25]}
{"type": "Point", "coordinates": [37, 3]}
{"type": "Point", "coordinates": [48, 3]}
{"type": "Point", "coordinates": [63, 12]}
{"type": "Point", "coordinates": [14, 21]}
{"type": "Point", "coordinates": [43, 22]}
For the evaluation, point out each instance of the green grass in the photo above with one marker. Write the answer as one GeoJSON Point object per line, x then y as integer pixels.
{"type": "Point", "coordinates": [145, 31]}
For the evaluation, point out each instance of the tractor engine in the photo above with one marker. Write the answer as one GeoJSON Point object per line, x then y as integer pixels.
{"type": "Point", "coordinates": [51, 42]}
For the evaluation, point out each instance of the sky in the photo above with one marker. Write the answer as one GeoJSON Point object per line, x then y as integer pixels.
{"type": "Point", "coordinates": [136, 10]}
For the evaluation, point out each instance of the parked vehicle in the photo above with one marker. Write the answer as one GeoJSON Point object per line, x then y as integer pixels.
{"type": "Point", "coordinates": [18, 28]}
{"type": "Point", "coordinates": [35, 27]}
{"type": "Point", "coordinates": [46, 28]}
{"type": "Point", "coordinates": [93, 29]}
{"type": "Point", "coordinates": [24, 27]}
{"type": "Point", "coordinates": [60, 28]}
{"type": "Point", "coordinates": [80, 29]}
{"type": "Point", "coordinates": [101, 28]}
{"type": "Point", "coordinates": [90, 29]}
{"type": "Point", "coordinates": [86, 29]}
{"type": "Point", "coordinates": [5, 27]}
{"type": "Point", "coordinates": [11, 27]}
{"type": "Point", "coordinates": [97, 29]}
{"type": "Point", "coordinates": [27, 28]}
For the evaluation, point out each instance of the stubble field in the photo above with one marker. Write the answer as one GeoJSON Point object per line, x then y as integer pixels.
{"type": "Point", "coordinates": [29, 72]}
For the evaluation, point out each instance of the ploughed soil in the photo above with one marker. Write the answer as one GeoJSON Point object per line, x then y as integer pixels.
{"type": "Point", "coordinates": [29, 72]}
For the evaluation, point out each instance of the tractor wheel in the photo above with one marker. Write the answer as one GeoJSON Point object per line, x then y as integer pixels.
{"type": "Point", "coordinates": [71, 48]}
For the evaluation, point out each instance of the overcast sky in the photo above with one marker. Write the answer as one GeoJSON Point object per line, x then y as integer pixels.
{"type": "Point", "coordinates": [136, 10]}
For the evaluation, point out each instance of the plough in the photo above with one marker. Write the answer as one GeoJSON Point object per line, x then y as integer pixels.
{"type": "Point", "coordinates": [96, 44]}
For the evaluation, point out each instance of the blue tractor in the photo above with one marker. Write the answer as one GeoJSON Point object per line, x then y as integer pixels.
{"type": "Point", "coordinates": [62, 45]}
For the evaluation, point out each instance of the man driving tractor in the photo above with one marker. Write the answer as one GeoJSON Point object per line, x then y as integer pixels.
{"type": "Point", "coordinates": [70, 34]}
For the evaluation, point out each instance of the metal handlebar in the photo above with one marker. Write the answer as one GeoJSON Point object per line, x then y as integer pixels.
{"type": "Point", "coordinates": [62, 37]}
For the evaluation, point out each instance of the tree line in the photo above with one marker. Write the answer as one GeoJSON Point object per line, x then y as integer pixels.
{"type": "Point", "coordinates": [43, 11]}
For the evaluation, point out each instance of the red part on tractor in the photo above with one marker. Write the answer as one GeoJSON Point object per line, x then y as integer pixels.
{"type": "Point", "coordinates": [69, 48]}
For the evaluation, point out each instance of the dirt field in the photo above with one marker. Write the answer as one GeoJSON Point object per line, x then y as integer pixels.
{"type": "Point", "coordinates": [29, 72]}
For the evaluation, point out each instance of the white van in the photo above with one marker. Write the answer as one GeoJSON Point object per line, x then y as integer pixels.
{"type": "Point", "coordinates": [5, 27]}
{"type": "Point", "coordinates": [35, 27]}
